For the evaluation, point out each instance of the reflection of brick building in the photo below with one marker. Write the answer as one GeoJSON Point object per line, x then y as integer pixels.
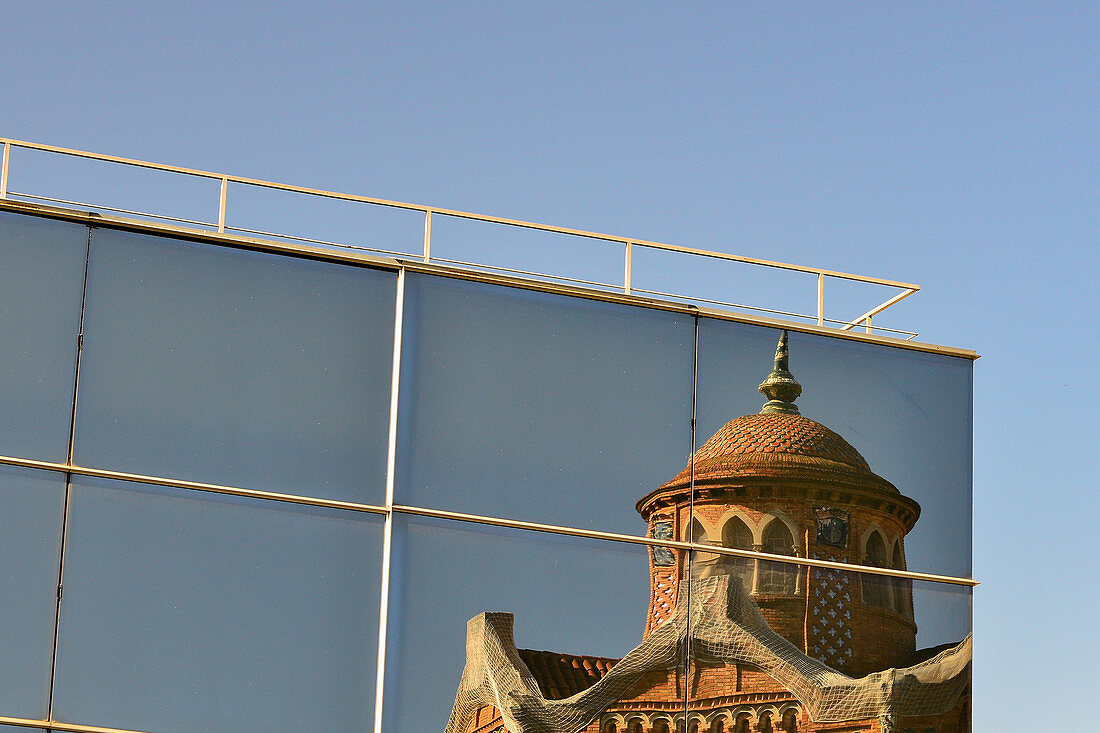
{"type": "Point", "coordinates": [779, 483]}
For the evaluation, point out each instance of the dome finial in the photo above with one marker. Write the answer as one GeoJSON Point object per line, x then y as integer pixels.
{"type": "Point", "coordinates": [780, 387]}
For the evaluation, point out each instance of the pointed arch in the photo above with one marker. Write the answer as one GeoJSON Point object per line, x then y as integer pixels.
{"type": "Point", "coordinates": [697, 532]}
{"type": "Point", "coordinates": [736, 534]}
{"type": "Point", "coordinates": [902, 587]}
{"type": "Point", "coordinates": [777, 577]}
{"type": "Point", "coordinates": [876, 588]}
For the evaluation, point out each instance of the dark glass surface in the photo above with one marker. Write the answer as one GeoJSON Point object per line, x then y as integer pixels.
{"type": "Point", "coordinates": [187, 612]}
{"type": "Point", "coordinates": [908, 413]}
{"type": "Point", "coordinates": [539, 407]}
{"type": "Point", "coordinates": [233, 367]}
{"type": "Point", "coordinates": [31, 507]}
{"type": "Point", "coordinates": [568, 595]}
{"type": "Point", "coordinates": [41, 285]}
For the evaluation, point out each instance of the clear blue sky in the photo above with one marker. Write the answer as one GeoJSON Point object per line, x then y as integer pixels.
{"type": "Point", "coordinates": [951, 145]}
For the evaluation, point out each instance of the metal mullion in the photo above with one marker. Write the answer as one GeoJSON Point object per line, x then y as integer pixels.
{"type": "Point", "coordinates": [68, 478]}
{"type": "Point", "coordinates": [475, 518]}
{"type": "Point", "coordinates": [691, 520]}
{"type": "Point", "coordinates": [68, 727]}
{"type": "Point", "coordinates": [193, 485]}
{"type": "Point", "coordinates": [673, 544]}
{"type": "Point", "coordinates": [387, 533]}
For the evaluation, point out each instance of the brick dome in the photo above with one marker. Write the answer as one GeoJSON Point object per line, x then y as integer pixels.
{"type": "Point", "coordinates": [776, 445]}
{"type": "Point", "coordinates": [777, 433]}
{"type": "Point", "coordinates": [771, 438]}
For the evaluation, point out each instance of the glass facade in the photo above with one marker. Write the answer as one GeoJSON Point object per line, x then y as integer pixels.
{"type": "Point", "coordinates": [232, 367]}
{"type": "Point", "coordinates": [539, 407]}
{"type": "Point", "coordinates": [41, 282]}
{"type": "Point", "coordinates": [31, 508]}
{"type": "Point", "coordinates": [215, 613]}
{"type": "Point", "coordinates": [499, 483]}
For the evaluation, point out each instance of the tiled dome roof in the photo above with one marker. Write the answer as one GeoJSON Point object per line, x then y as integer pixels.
{"type": "Point", "coordinates": [760, 443]}
{"type": "Point", "coordinates": [773, 432]}
{"type": "Point", "coordinates": [775, 448]}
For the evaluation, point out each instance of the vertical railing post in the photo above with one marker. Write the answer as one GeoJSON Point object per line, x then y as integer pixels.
{"type": "Point", "coordinates": [428, 236]}
{"type": "Point", "coordinates": [4, 171]}
{"type": "Point", "coordinates": [221, 204]}
{"type": "Point", "coordinates": [629, 268]}
{"type": "Point", "coordinates": [868, 322]}
{"type": "Point", "coordinates": [821, 298]}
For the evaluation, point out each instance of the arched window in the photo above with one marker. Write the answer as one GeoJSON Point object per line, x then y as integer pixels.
{"type": "Point", "coordinates": [742, 724]}
{"type": "Point", "coordinates": [718, 725]}
{"type": "Point", "coordinates": [737, 534]}
{"type": "Point", "coordinates": [693, 727]}
{"type": "Point", "coordinates": [611, 726]}
{"type": "Point", "coordinates": [660, 726]}
{"type": "Point", "coordinates": [765, 724]}
{"type": "Point", "coordinates": [634, 726]}
{"type": "Point", "coordinates": [790, 722]}
{"type": "Point", "coordinates": [876, 588]}
{"type": "Point", "coordinates": [777, 577]}
{"type": "Point", "coordinates": [902, 586]}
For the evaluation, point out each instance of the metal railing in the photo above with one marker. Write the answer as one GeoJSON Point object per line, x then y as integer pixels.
{"type": "Point", "coordinates": [629, 244]}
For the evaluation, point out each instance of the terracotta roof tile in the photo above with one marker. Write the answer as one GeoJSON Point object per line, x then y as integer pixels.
{"type": "Point", "coordinates": [772, 433]}
{"type": "Point", "coordinates": [563, 675]}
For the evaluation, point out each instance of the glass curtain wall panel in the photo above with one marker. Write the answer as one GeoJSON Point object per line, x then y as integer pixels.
{"type": "Point", "coordinates": [31, 508]}
{"type": "Point", "coordinates": [41, 286]}
{"type": "Point", "coordinates": [186, 611]}
{"type": "Point", "coordinates": [227, 366]}
{"type": "Point", "coordinates": [539, 407]}
{"type": "Point", "coordinates": [831, 650]}
{"type": "Point", "coordinates": [857, 452]}
{"type": "Point", "coordinates": [486, 619]}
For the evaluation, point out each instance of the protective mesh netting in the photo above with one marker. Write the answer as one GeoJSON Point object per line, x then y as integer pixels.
{"type": "Point", "coordinates": [726, 626]}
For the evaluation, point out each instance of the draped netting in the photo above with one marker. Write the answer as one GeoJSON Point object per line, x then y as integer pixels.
{"type": "Point", "coordinates": [725, 626]}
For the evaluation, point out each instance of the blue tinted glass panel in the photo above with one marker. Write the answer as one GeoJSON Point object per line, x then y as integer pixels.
{"type": "Point", "coordinates": [31, 508]}
{"type": "Point", "coordinates": [186, 612]}
{"type": "Point", "coordinates": [41, 284]}
{"type": "Point", "coordinates": [234, 367]}
{"type": "Point", "coordinates": [907, 414]}
{"type": "Point", "coordinates": [576, 604]}
{"type": "Point", "coordinates": [539, 407]}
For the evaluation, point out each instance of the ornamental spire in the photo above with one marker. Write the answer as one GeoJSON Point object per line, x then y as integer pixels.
{"type": "Point", "coordinates": [780, 387]}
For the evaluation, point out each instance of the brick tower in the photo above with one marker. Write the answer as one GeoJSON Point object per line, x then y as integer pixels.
{"type": "Point", "coordinates": [781, 483]}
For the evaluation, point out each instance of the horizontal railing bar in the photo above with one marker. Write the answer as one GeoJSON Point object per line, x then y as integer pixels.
{"type": "Point", "coordinates": [715, 549]}
{"type": "Point", "coordinates": [68, 727]}
{"type": "Point", "coordinates": [725, 303]}
{"type": "Point", "coordinates": [71, 468]}
{"type": "Point", "coordinates": [193, 485]}
{"type": "Point", "coordinates": [849, 325]}
{"type": "Point", "coordinates": [528, 273]}
{"type": "Point", "coordinates": [911, 334]}
{"type": "Point", "coordinates": [769, 263]}
{"type": "Point", "coordinates": [342, 245]}
{"type": "Point", "coordinates": [461, 214]}
{"type": "Point", "coordinates": [165, 217]}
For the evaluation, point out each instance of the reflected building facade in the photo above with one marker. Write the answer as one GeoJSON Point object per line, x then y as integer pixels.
{"type": "Point", "coordinates": [248, 485]}
{"type": "Point", "coordinates": [758, 644]}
